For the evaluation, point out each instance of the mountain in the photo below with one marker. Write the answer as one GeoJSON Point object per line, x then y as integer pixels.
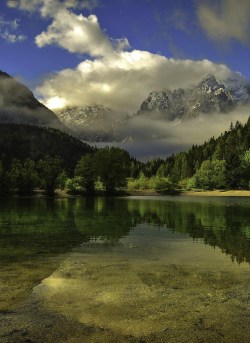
{"type": "Point", "coordinates": [98, 123]}
{"type": "Point", "coordinates": [209, 96]}
{"type": "Point", "coordinates": [18, 105]}
{"type": "Point", "coordinates": [94, 123]}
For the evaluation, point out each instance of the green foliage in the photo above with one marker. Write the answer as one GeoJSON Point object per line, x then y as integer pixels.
{"type": "Point", "coordinates": [4, 182]}
{"type": "Point", "coordinates": [211, 175]}
{"type": "Point", "coordinates": [24, 150]}
{"type": "Point", "coordinates": [229, 148]}
{"type": "Point", "coordinates": [164, 184]}
{"type": "Point", "coordinates": [188, 183]}
{"type": "Point", "coordinates": [49, 170]}
{"type": "Point", "coordinates": [99, 185]}
{"type": "Point", "coordinates": [74, 185]}
{"type": "Point", "coordinates": [245, 168]}
{"type": "Point", "coordinates": [150, 168]}
{"type": "Point", "coordinates": [61, 179]}
{"type": "Point", "coordinates": [23, 177]}
{"type": "Point", "coordinates": [180, 167]}
{"type": "Point", "coordinates": [111, 165]}
{"type": "Point", "coordinates": [19, 141]}
{"type": "Point", "coordinates": [142, 183]}
{"type": "Point", "coordinates": [157, 183]}
{"type": "Point", "coordinates": [85, 169]}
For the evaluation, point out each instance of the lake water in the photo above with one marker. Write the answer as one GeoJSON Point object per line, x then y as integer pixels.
{"type": "Point", "coordinates": [132, 269]}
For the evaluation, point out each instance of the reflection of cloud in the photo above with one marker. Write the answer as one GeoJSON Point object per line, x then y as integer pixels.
{"type": "Point", "coordinates": [229, 19]}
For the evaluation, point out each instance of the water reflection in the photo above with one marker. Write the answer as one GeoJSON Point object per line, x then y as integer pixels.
{"type": "Point", "coordinates": [53, 226]}
{"type": "Point", "coordinates": [124, 270]}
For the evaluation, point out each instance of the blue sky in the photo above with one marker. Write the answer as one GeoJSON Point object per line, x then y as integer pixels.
{"type": "Point", "coordinates": [182, 32]}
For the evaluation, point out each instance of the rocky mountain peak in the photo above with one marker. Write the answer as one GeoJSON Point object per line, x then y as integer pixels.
{"type": "Point", "coordinates": [93, 122]}
{"type": "Point", "coordinates": [210, 95]}
{"type": "Point", "coordinates": [210, 84]}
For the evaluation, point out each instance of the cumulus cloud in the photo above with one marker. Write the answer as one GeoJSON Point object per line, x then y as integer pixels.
{"type": "Point", "coordinates": [9, 31]}
{"type": "Point", "coordinates": [76, 33]}
{"type": "Point", "coordinates": [229, 19]}
{"type": "Point", "coordinates": [122, 80]}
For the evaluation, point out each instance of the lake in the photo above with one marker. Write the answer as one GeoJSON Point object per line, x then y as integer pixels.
{"type": "Point", "coordinates": [128, 269]}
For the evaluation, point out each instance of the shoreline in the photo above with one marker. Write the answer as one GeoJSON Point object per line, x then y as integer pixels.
{"type": "Point", "coordinates": [213, 193]}
{"type": "Point", "coordinates": [147, 192]}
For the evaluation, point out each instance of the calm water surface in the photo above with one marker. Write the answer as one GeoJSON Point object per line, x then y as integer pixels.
{"type": "Point", "coordinates": [136, 269]}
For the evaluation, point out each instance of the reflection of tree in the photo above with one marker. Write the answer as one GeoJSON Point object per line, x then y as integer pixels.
{"type": "Point", "coordinates": [105, 218]}
{"type": "Point", "coordinates": [56, 225]}
{"type": "Point", "coordinates": [29, 226]}
{"type": "Point", "coordinates": [219, 224]}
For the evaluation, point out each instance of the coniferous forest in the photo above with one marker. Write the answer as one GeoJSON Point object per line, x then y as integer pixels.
{"type": "Point", "coordinates": [43, 158]}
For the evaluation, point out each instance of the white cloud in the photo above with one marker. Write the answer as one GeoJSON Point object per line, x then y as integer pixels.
{"type": "Point", "coordinates": [76, 33]}
{"type": "Point", "coordinates": [12, 38]}
{"type": "Point", "coordinates": [8, 31]}
{"type": "Point", "coordinates": [122, 80]}
{"type": "Point", "coordinates": [48, 7]}
{"type": "Point", "coordinates": [228, 20]}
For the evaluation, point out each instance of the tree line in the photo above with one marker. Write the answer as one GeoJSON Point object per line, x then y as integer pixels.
{"type": "Point", "coordinates": [222, 163]}
{"type": "Point", "coordinates": [108, 166]}
{"type": "Point", "coordinates": [34, 157]}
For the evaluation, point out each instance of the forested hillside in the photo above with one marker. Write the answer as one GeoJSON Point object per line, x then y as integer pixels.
{"type": "Point", "coordinates": [218, 163]}
{"type": "Point", "coordinates": [34, 157]}
{"type": "Point", "coordinates": [19, 141]}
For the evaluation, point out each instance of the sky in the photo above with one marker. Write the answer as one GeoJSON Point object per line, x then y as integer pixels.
{"type": "Point", "coordinates": [114, 52]}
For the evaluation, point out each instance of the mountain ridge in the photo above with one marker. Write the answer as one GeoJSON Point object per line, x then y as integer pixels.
{"type": "Point", "coordinates": [19, 105]}
{"type": "Point", "coordinates": [210, 95]}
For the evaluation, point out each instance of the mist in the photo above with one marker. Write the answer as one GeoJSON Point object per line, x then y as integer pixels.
{"type": "Point", "coordinates": [148, 139]}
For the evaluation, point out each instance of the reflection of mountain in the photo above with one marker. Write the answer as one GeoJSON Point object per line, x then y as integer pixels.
{"type": "Point", "coordinates": [56, 226]}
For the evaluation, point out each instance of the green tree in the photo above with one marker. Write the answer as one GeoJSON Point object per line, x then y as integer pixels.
{"type": "Point", "coordinates": [49, 171]}
{"type": "Point", "coordinates": [245, 166]}
{"type": "Point", "coordinates": [4, 182]}
{"type": "Point", "coordinates": [211, 175]}
{"type": "Point", "coordinates": [86, 171]}
{"type": "Point", "coordinates": [180, 167]}
{"type": "Point", "coordinates": [111, 165]}
{"type": "Point", "coordinates": [74, 185]}
{"type": "Point", "coordinates": [164, 184]}
{"type": "Point", "coordinates": [23, 176]}
{"type": "Point", "coordinates": [62, 179]}
{"type": "Point", "coordinates": [233, 170]}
